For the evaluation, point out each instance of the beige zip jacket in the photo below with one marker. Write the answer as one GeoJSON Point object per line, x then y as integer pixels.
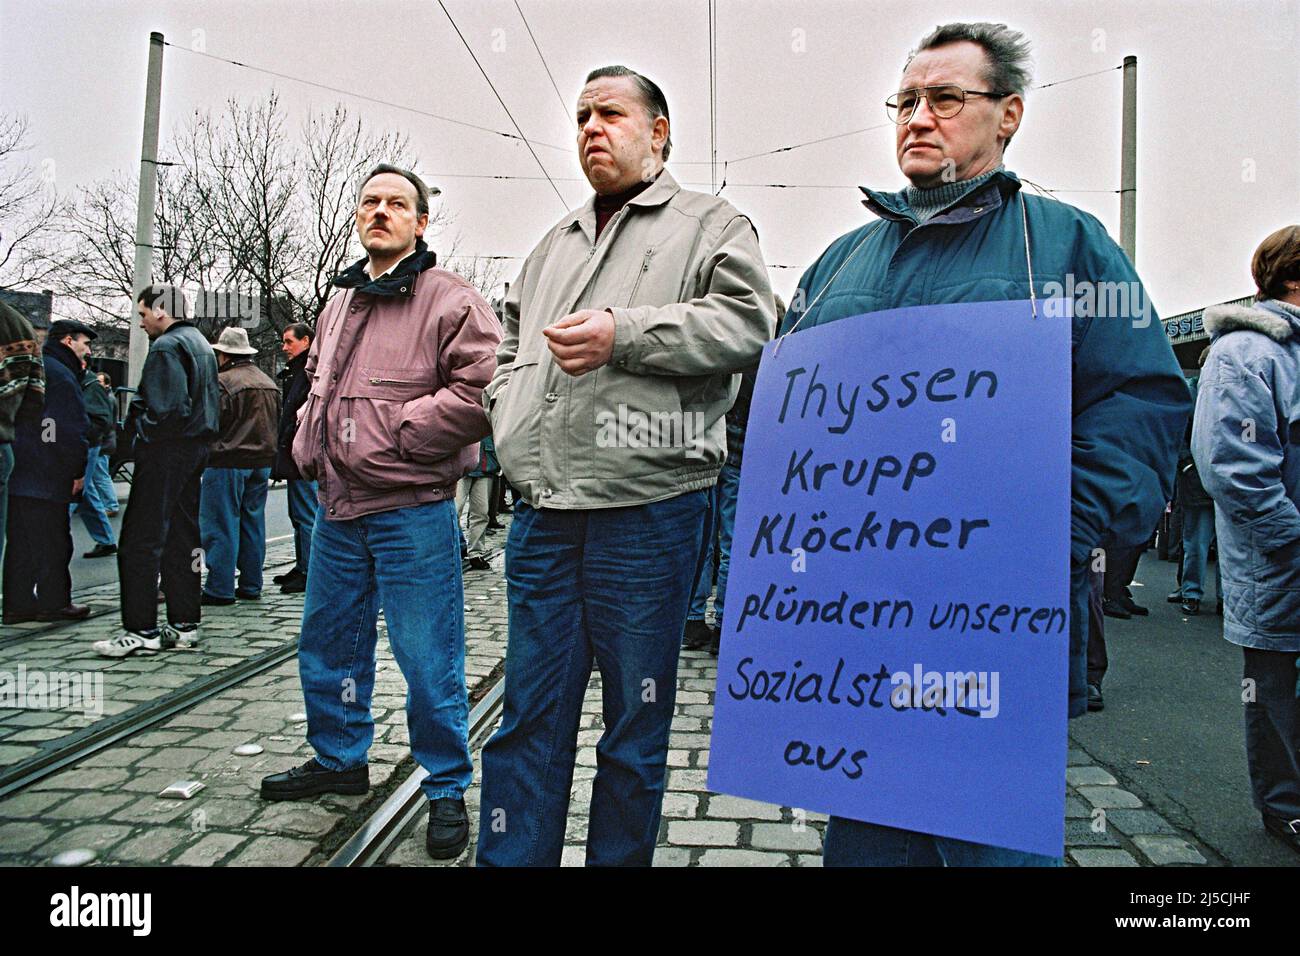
{"type": "Point", "coordinates": [684, 278]}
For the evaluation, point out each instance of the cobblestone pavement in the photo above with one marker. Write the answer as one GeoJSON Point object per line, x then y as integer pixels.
{"type": "Point", "coordinates": [105, 687]}
{"type": "Point", "coordinates": [109, 803]}
{"type": "Point", "coordinates": [1105, 825]}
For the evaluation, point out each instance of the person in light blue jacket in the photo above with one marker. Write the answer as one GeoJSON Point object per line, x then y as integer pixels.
{"type": "Point", "coordinates": [1246, 442]}
{"type": "Point", "coordinates": [965, 231]}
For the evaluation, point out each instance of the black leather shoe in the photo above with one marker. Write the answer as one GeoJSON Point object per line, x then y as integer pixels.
{"type": "Point", "coordinates": [696, 636]}
{"type": "Point", "coordinates": [294, 585]}
{"type": "Point", "coordinates": [1114, 609]}
{"type": "Point", "coordinates": [25, 618]}
{"type": "Point", "coordinates": [73, 612]}
{"type": "Point", "coordinates": [211, 600]}
{"type": "Point", "coordinates": [448, 832]}
{"type": "Point", "coordinates": [1175, 598]}
{"type": "Point", "coordinates": [248, 595]}
{"type": "Point", "coordinates": [100, 551]}
{"type": "Point", "coordinates": [283, 578]}
{"type": "Point", "coordinates": [1191, 606]}
{"type": "Point", "coordinates": [311, 778]}
{"type": "Point", "coordinates": [1095, 701]}
{"type": "Point", "coordinates": [715, 645]}
{"type": "Point", "coordinates": [478, 563]}
{"type": "Point", "coordinates": [1288, 831]}
{"type": "Point", "coordinates": [1133, 607]}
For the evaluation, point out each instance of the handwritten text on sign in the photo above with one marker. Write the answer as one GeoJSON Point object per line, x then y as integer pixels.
{"type": "Point", "coordinates": [897, 609]}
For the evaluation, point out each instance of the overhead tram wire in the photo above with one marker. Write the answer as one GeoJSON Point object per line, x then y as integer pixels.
{"type": "Point", "coordinates": [559, 195]}
{"type": "Point", "coordinates": [367, 98]}
{"type": "Point", "coordinates": [867, 129]}
{"type": "Point", "coordinates": [564, 107]}
{"type": "Point", "coordinates": [713, 99]}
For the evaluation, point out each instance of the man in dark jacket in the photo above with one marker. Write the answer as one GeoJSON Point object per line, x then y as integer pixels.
{"type": "Point", "coordinates": [964, 231]}
{"type": "Point", "coordinates": [295, 343]}
{"type": "Point", "coordinates": [173, 418]}
{"type": "Point", "coordinates": [22, 392]}
{"type": "Point", "coordinates": [93, 509]}
{"type": "Point", "coordinates": [49, 465]}
{"type": "Point", "coordinates": [232, 510]}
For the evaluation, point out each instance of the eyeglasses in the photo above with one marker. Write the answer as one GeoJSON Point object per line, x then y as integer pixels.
{"type": "Point", "coordinates": [945, 101]}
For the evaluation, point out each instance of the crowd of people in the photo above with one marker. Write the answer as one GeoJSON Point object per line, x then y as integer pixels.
{"type": "Point", "coordinates": [411, 402]}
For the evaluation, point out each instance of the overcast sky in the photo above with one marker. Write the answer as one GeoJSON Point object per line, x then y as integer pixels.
{"type": "Point", "coordinates": [1218, 104]}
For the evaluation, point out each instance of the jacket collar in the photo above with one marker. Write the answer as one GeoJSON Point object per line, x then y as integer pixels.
{"type": "Point", "coordinates": [1265, 317]}
{"type": "Point", "coordinates": [295, 365]}
{"type": "Point", "coordinates": [399, 282]}
{"type": "Point", "coordinates": [64, 356]}
{"type": "Point", "coordinates": [980, 201]}
{"type": "Point", "coordinates": [664, 188]}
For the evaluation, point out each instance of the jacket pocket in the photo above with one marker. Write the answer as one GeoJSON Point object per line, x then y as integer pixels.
{"type": "Point", "coordinates": [516, 422]}
{"type": "Point", "coordinates": [364, 439]}
{"type": "Point", "coordinates": [305, 449]}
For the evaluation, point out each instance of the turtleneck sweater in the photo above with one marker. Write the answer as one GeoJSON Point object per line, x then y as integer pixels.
{"type": "Point", "coordinates": [925, 202]}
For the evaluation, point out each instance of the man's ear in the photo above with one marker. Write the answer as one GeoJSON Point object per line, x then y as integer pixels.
{"type": "Point", "coordinates": [1013, 110]}
{"type": "Point", "coordinates": [421, 224]}
{"type": "Point", "coordinates": [659, 134]}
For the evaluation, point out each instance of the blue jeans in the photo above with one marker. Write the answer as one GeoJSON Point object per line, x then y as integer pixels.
{"type": "Point", "coordinates": [103, 482]}
{"type": "Point", "coordinates": [406, 561]}
{"type": "Point", "coordinates": [1198, 532]}
{"type": "Point", "coordinates": [703, 586]}
{"type": "Point", "coordinates": [302, 515]}
{"type": "Point", "coordinates": [852, 843]}
{"type": "Point", "coordinates": [92, 507]}
{"type": "Point", "coordinates": [728, 492]}
{"type": "Point", "coordinates": [232, 518]}
{"type": "Point", "coordinates": [611, 585]}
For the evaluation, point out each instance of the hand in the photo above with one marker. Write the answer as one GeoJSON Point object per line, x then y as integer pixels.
{"type": "Point", "coordinates": [77, 486]}
{"type": "Point", "coordinates": [581, 342]}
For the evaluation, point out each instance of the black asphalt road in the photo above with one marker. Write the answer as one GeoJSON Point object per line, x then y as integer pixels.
{"type": "Point", "coordinates": [88, 573]}
{"type": "Point", "coordinates": [1172, 727]}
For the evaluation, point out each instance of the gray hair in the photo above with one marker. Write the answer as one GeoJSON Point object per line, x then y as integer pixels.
{"type": "Point", "coordinates": [421, 190]}
{"type": "Point", "coordinates": [1006, 53]}
{"type": "Point", "coordinates": [656, 104]}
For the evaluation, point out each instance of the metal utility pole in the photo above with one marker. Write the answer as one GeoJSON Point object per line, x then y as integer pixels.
{"type": "Point", "coordinates": [143, 275]}
{"type": "Point", "coordinates": [1128, 163]}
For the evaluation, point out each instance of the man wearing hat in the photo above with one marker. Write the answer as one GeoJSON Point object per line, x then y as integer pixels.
{"type": "Point", "coordinates": [173, 418]}
{"type": "Point", "coordinates": [49, 467]}
{"type": "Point", "coordinates": [232, 511]}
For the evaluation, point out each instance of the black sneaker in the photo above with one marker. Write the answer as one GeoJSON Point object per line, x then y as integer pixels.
{"type": "Point", "coordinates": [1175, 598]}
{"type": "Point", "coordinates": [448, 832]}
{"type": "Point", "coordinates": [1191, 607]}
{"type": "Point", "coordinates": [311, 778]}
{"type": "Point", "coordinates": [696, 636]}
{"type": "Point", "coordinates": [1288, 831]}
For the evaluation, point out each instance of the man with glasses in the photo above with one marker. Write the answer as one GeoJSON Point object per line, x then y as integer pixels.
{"type": "Point", "coordinates": [963, 231]}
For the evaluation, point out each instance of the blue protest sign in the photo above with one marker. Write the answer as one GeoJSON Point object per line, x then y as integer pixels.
{"type": "Point", "coordinates": [897, 631]}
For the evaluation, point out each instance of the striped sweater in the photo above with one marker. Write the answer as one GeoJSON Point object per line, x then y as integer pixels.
{"type": "Point", "coordinates": [22, 373]}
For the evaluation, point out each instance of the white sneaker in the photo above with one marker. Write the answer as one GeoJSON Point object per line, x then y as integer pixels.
{"type": "Point", "coordinates": [180, 635]}
{"type": "Point", "coordinates": [130, 643]}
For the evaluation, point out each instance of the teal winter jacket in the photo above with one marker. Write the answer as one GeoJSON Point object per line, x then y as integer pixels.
{"type": "Point", "coordinates": [1130, 401]}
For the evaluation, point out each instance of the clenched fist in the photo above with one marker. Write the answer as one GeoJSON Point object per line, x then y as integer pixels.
{"type": "Point", "coordinates": [581, 342]}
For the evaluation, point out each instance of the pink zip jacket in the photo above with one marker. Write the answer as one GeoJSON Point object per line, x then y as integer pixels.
{"type": "Point", "coordinates": [397, 370]}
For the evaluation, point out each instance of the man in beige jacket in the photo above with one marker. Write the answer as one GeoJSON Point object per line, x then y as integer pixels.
{"type": "Point", "coordinates": [623, 334]}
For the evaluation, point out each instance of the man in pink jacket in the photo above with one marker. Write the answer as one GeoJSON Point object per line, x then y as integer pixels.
{"type": "Point", "coordinates": [397, 370]}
